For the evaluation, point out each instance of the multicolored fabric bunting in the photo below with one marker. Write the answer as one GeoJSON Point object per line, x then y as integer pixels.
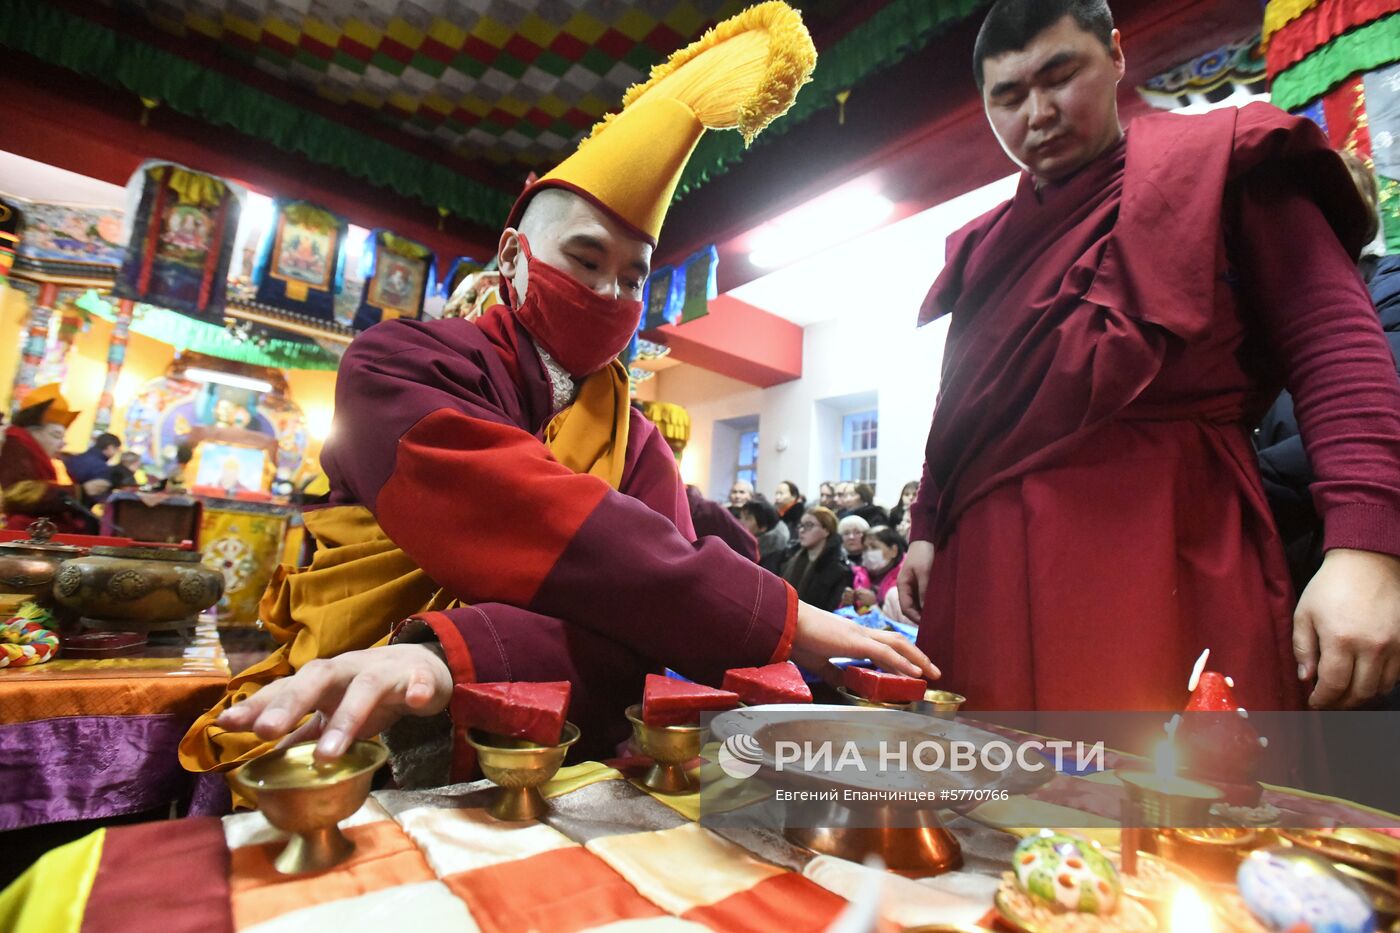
{"type": "Point", "coordinates": [301, 262]}
{"type": "Point", "coordinates": [1360, 50]}
{"type": "Point", "coordinates": [1318, 26]}
{"type": "Point", "coordinates": [181, 242]}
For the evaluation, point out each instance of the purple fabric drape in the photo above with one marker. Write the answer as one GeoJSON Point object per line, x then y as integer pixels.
{"type": "Point", "coordinates": [89, 767]}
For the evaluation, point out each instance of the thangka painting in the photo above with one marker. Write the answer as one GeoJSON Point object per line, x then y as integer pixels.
{"type": "Point", "coordinates": [398, 273]}
{"type": "Point", "coordinates": [66, 233]}
{"type": "Point", "coordinates": [166, 411]}
{"type": "Point", "coordinates": [181, 242]}
{"type": "Point", "coordinates": [300, 266]}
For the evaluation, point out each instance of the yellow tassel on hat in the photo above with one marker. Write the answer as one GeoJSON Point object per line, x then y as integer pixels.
{"type": "Point", "coordinates": [743, 74]}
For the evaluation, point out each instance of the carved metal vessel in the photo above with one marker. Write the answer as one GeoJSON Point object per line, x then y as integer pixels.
{"type": "Point", "coordinates": [28, 568]}
{"type": "Point", "coordinates": [137, 586]}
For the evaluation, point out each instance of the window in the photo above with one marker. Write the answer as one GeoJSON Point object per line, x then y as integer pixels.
{"type": "Point", "coordinates": [860, 439]}
{"type": "Point", "coordinates": [747, 467]}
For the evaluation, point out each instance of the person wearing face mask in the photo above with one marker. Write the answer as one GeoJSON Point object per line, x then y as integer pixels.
{"type": "Point", "coordinates": [875, 578]}
{"type": "Point", "coordinates": [442, 426]}
{"type": "Point", "coordinates": [29, 464]}
{"type": "Point", "coordinates": [1117, 328]}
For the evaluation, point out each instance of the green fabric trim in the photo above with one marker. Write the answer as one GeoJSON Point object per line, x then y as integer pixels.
{"type": "Point", "coordinates": [186, 333]}
{"type": "Point", "coordinates": [59, 38]}
{"type": "Point", "coordinates": [899, 29]}
{"type": "Point", "coordinates": [1361, 50]}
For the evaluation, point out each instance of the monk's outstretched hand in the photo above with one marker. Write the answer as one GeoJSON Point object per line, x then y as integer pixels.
{"type": "Point", "coordinates": [913, 579]}
{"type": "Point", "coordinates": [1346, 631]}
{"type": "Point", "coordinates": [821, 636]}
{"type": "Point", "coordinates": [355, 695]}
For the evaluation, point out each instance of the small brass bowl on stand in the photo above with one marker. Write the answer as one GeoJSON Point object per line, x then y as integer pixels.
{"type": "Point", "coordinates": [518, 768]}
{"type": "Point", "coordinates": [942, 703]}
{"type": "Point", "coordinates": [874, 704]}
{"type": "Point", "coordinates": [669, 748]}
{"type": "Point", "coordinates": [306, 798]}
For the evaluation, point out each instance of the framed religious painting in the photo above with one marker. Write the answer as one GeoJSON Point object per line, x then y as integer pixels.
{"type": "Point", "coordinates": [398, 284]}
{"type": "Point", "coordinates": [303, 254]}
{"type": "Point", "coordinates": [300, 264]}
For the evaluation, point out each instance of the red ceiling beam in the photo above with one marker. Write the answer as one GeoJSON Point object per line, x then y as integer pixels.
{"type": "Point", "coordinates": [737, 340]}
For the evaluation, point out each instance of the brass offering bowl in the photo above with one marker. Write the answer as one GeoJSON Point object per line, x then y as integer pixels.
{"type": "Point", "coordinates": [669, 748]}
{"type": "Point", "coordinates": [1155, 801]}
{"type": "Point", "coordinates": [1213, 853]}
{"type": "Point", "coordinates": [942, 703]}
{"type": "Point", "coordinates": [1373, 860]}
{"type": "Point", "coordinates": [138, 587]}
{"type": "Point", "coordinates": [307, 798]}
{"type": "Point", "coordinates": [855, 700]}
{"type": "Point", "coordinates": [28, 568]}
{"type": "Point", "coordinates": [518, 768]}
{"type": "Point", "coordinates": [920, 851]}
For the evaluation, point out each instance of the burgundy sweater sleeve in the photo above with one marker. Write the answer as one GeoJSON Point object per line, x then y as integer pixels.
{"type": "Point", "coordinates": [924, 509]}
{"type": "Point", "coordinates": [1320, 323]}
{"type": "Point", "coordinates": [427, 439]}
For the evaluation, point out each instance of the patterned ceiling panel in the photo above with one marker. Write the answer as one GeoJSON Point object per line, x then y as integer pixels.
{"type": "Point", "coordinates": [516, 81]}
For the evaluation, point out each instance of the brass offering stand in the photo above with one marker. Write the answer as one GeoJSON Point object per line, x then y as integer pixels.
{"type": "Point", "coordinates": [518, 768]}
{"type": "Point", "coordinates": [669, 748]}
{"type": "Point", "coordinates": [307, 798]}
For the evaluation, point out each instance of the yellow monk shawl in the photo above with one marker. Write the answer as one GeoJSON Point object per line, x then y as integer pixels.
{"type": "Point", "coordinates": [360, 584]}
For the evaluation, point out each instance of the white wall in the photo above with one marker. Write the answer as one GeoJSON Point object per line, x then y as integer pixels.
{"type": "Point", "coordinates": [864, 345]}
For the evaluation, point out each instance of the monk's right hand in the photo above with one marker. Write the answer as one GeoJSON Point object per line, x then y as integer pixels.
{"type": "Point", "coordinates": [355, 695]}
{"type": "Point", "coordinates": [913, 579]}
{"type": "Point", "coordinates": [822, 636]}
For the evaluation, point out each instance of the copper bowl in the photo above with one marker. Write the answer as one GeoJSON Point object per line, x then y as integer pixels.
{"type": "Point", "coordinates": [28, 568]}
{"type": "Point", "coordinates": [138, 585]}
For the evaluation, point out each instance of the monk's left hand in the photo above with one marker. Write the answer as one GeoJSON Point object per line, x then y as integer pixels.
{"type": "Point", "coordinates": [1346, 631]}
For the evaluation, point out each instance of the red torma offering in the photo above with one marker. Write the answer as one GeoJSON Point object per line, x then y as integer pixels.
{"type": "Point", "coordinates": [670, 702]}
{"type": "Point", "coordinates": [534, 712]}
{"type": "Point", "coordinates": [772, 683]}
{"type": "Point", "coordinates": [882, 687]}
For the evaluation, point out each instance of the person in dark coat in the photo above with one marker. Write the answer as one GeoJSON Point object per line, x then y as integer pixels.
{"type": "Point", "coordinates": [788, 500]}
{"type": "Point", "coordinates": [711, 518]}
{"type": "Point", "coordinates": [761, 520]}
{"type": "Point", "coordinates": [818, 570]}
{"type": "Point", "coordinates": [92, 464]}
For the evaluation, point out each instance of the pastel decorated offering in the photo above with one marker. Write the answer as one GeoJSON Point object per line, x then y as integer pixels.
{"type": "Point", "coordinates": [1067, 873]}
{"type": "Point", "coordinates": [1290, 890]}
{"type": "Point", "coordinates": [529, 711]}
{"type": "Point", "coordinates": [667, 701]}
{"type": "Point", "coordinates": [772, 683]}
{"type": "Point", "coordinates": [882, 687]}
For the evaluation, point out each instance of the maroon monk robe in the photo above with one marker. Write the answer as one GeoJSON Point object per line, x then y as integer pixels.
{"type": "Point", "coordinates": [438, 433]}
{"type": "Point", "coordinates": [1090, 486]}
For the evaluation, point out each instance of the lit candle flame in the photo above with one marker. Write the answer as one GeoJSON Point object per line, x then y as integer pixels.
{"type": "Point", "coordinates": [1190, 913]}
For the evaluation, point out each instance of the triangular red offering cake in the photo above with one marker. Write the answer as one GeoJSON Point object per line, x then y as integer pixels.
{"type": "Point", "coordinates": [667, 701]}
{"type": "Point", "coordinates": [772, 683]}
{"type": "Point", "coordinates": [1217, 742]}
{"type": "Point", "coordinates": [882, 687]}
{"type": "Point", "coordinates": [1213, 694]}
{"type": "Point", "coordinates": [534, 712]}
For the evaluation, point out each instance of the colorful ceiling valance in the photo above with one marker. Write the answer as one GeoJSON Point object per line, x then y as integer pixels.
{"type": "Point", "coordinates": [1218, 72]}
{"type": "Point", "coordinates": [1315, 47]}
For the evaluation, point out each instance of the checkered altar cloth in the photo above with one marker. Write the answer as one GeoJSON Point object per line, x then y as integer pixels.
{"type": "Point", "coordinates": [608, 856]}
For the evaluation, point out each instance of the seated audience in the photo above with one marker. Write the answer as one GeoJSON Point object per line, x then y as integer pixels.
{"type": "Point", "coordinates": [790, 505]}
{"type": "Point", "coordinates": [876, 578]}
{"type": "Point", "coordinates": [762, 521]}
{"type": "Point", "coordinates": [851, 531]}
{"type": "Point", "coordinates": [818, 571]}
{"type": "Point", "coordinates": [827, 499]}
{"type": "Point", "coordinates": [739, 493]}
{"type": "Point", "coordinates": [906, 499]}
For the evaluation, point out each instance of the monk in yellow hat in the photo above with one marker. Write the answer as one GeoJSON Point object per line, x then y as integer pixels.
{"type": "Point", "coordinates": [497, 511]}
{"type": "Point", "coordinates": [32, 485]}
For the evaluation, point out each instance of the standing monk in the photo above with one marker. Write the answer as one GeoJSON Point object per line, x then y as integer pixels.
{"type": "Point", "coordinates": [492, 485]}
{"type": "Point", "coordinates": [1089, 487]}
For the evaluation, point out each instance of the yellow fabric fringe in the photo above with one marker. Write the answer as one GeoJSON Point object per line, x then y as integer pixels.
{"type": "Point", "coordinates": [52, 895]}
{"type": "Point", "coordinates": [1280, 13]}
{"type": "Point", "coordinates": [743, 73]}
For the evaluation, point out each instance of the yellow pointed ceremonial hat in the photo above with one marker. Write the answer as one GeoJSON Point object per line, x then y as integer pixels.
{"type": "Point", "coordinates": [742, 74]}
{"type": "Point", "coordinates": [57, 411]}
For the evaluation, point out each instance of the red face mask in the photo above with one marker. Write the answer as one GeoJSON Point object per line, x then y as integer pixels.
{"type": "Point", "coordinates": [581, 329]}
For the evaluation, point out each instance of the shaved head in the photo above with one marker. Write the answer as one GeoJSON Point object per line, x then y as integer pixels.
{"type": "Point", "coordinates": [547, 210]}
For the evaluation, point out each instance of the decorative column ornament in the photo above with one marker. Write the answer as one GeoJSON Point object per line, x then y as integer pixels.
{"type": "Point", "coordinates": [36, 338]}
{"type": "Point", "coordinates": [116, 356]}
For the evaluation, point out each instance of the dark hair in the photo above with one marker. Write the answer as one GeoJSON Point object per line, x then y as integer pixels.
{"type": "Point", "coordinates": [31, 416]}
{"type": "Point", "coordinates": [762, 513]}
{"type": "Point", "coordinates": [796, 493]}
{"type": "Point", "coordinates": [889, 538]}
{"type": "Point", "coordinates": [104, 441]}
{"type": "Point", "coordinates": [184, 454]}
{"type": "Point", "coordinates": [1011, 25]}
{"type": "Point", "coordinates": [866, 492]}
{"type": "Point", "coordinates": [825, 517]}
